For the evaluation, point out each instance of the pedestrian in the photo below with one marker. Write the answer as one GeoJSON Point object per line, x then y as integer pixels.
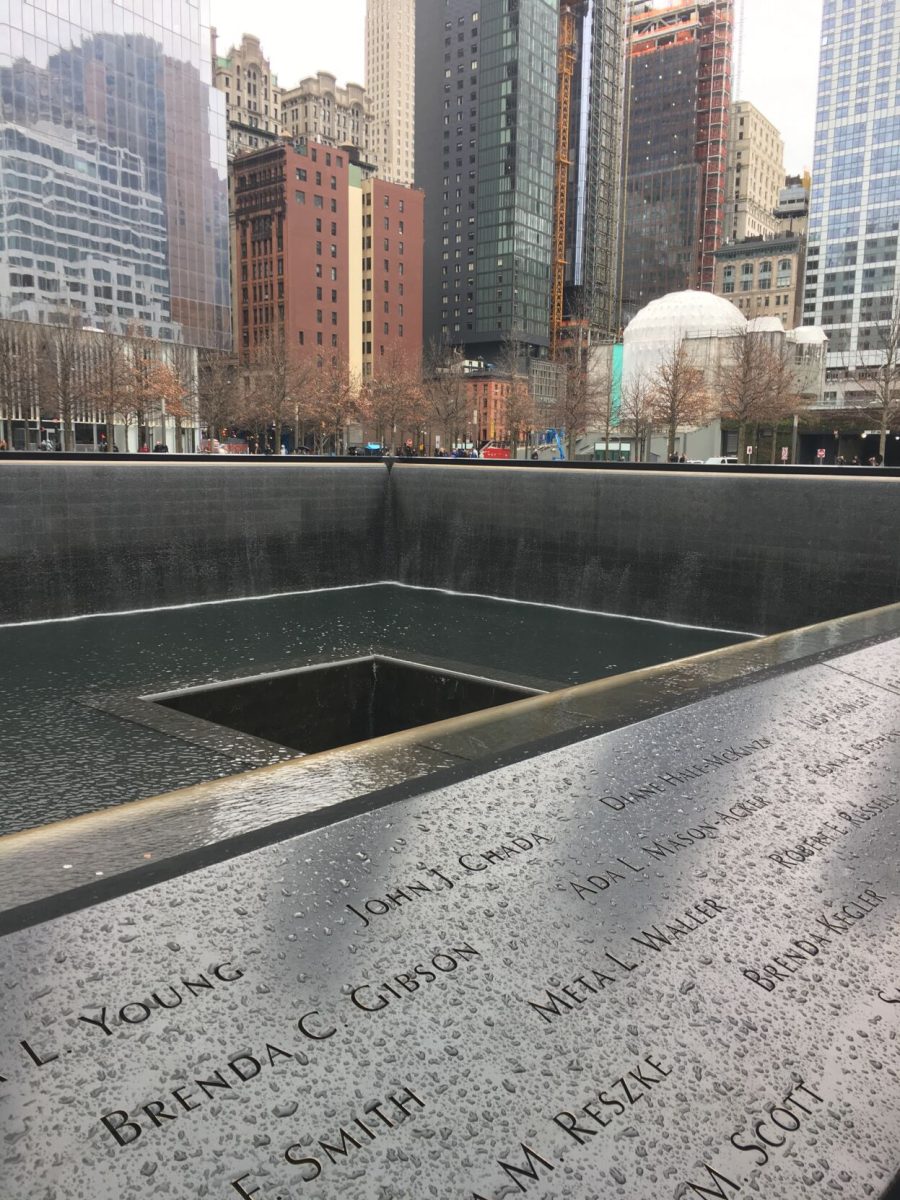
{"type": "Point", "coordinates": [3, 445]}
{"type": "Point", "coordinates": [45, 445]}
{"type": "Point", "coordinates": [145, 449]}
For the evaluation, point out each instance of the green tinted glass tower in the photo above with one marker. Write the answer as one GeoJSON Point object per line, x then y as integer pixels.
{"type": "Point", "coordinates": [485, 143]}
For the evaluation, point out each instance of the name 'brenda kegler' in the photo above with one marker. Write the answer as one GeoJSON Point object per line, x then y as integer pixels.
{"type": "Point", "coordinates": [435, 880]}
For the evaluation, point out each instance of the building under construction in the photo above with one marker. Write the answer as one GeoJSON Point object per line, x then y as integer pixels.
{"type": "Point", "coordinates": [678, 85]}
{"type": "Point", "coordinates": [588, 171]}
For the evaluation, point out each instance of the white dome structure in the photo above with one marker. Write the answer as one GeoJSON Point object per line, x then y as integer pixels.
{"type": "Point", "coordinates": [807, 335]}
{"type": "Point", "coordinates": [764, 325]}
{"type": "Point", "coordinates": [654, 331]}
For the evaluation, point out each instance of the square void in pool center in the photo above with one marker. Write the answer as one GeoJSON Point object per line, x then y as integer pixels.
{"type": "Point", "coordinates": [315, 708]}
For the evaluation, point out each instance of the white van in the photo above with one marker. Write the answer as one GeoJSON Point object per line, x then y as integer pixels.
{"type": "Point", "coordinates": [724, 459]}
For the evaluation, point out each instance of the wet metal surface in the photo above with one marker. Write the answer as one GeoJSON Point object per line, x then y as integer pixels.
{"type": "Point", "coordinates": [660, 960]}
{"type": "Point", "coordinates": [72, 738]}
{"type": "Point", "coordinates": [75, 863]}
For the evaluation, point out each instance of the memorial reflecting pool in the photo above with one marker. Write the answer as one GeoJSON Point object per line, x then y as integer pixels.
{"type": "Point", "coordinates": [74, 738]}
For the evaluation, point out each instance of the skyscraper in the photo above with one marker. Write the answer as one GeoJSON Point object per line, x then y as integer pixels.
{"type": "Point", "coordinates": [113, 171]}
{"type": "Point", "coordinates": [754, 174]}
{"type": "Point", "coordinates": [851, 270]}
{"type": "Point", "coordinates": [595, 154]}
{"type": "Point", "coordinates": [679, 93]}
{"type": "Point", "coordinates": [485, 140]}
{"type": "Point", "coordinates": [391, 85]}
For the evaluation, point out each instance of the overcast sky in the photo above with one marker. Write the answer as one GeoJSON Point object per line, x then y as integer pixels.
{"type": "Point", "coordinates": [778, 70]}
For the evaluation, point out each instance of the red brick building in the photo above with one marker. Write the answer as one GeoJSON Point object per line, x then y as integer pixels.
{"type": "Point", "coordinates": [292, 248]}
{"type": "Point", "coordinates": [328, 254]}
{"type": "Point", "coordinates": [487, 401]}
{"type": "Point", "coordinates": [393, 238]}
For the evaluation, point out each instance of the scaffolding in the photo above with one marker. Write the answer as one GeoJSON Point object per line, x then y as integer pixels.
{"type": "Point", "coordinates": [713, 107]}
{"type": "Point", "coordinates": [569, 11]}
{"type": "Point", "coordinates": [691, 41]}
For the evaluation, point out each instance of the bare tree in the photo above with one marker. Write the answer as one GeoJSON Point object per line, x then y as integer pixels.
{"type": "Point", "coordinates": [182, 405]}
{"type": "Point", "coordinates": [62, 372]}
{"type": "Point", "coordinates": [153, 386]}
{"type": "Point", "coordinates": [18, 385]}
{"type": "Point", "coordinates": [783, 396]}
{"type": "Point", "coordinates": [110, 379]}
{"type": "Point", "coordinates": [331, 403]}
{"type": "Point", "coordinates": [445, 393]}
{"type": "Point", "coordinates": [636, 414]}
{"type": "Point", "coordinates": [520, 413]}
{"type": "Point", "coordinates": [275, 382]}
{"type": "Point", "coordinates": [392, 399]}
{"type": "Point", "coordinates": [217, 392]}
{"type": "Point", "coordinates": [586, 402]}
{"type": "Point", "coordinates": [678, 391]}
{"type": "Point", "coordinates": [880, 384]}
{"type": "Point", "coordinates": [742, 382]}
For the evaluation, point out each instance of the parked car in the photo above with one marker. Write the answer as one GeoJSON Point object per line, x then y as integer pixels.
{"type": "Point", "coordinates": [724, 459]}
{"type": "Point", "coordinates": [494, 450]}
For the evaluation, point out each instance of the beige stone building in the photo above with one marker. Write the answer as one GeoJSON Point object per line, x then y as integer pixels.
{"type": "Point", "coordinates": [763, 276]}
{"type": "Point", "coordinates": [336, 116]}
{"type": "Point", "coordinates": [754, 174]}
{"type": "Point", "coordinates": [252, 95]}
{"type": "Point", "coordinates": [391, 83]}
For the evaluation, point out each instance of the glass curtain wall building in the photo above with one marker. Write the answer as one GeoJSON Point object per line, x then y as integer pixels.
{"type": "Point", "coordinates": [113, 185]}
{"type": "Point", "coordinates": [485, 140]}
{"type": "Point", "coordinates": [851, 270]}
{"type": "Point", "coordinates": [595, 141]}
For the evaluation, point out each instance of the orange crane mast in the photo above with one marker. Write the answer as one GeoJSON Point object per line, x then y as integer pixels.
{"type": "Point", "coordinates": [569, 10]}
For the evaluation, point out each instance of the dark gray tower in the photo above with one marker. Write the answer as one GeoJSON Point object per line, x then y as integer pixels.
{"type": "Point", "coordinates": [595, 151]}
{"type": "Point", "coordinates": [485, 140]}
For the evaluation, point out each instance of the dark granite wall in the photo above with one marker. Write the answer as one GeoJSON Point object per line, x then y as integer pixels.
{"type": "Point", "coordinates": [741, 551]}
{"type": "Point", "coordinates": [79, 537]}
{"type": "Point", "coordinates": [749, 552]}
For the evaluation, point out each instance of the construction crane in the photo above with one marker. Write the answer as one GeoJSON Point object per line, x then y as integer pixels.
{"type": "Point", "coordinates": [569, 11]}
